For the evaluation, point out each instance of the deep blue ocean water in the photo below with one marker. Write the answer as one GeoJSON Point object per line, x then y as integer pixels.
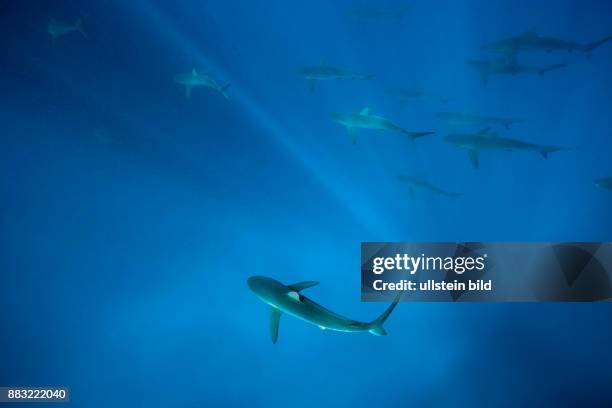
{"type": "Point", "coordinates": [131, 216]}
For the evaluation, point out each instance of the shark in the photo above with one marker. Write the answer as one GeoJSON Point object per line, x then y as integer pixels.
{"type": "Point", "coordinates": [532, 41]}
{"type": "Point", "coordinates": [196, 78]}
{"type": "Point", "coordinates": [325, 72]}
{"type": "Point", "coordinates": [488, 140]}
{"type": "Point", "coordinates": [508, 67]}
{"type": "Point", "coordinates": [421, 183]}
{"type": "Point", "coordinates": [365, 120]}
{"type": "Point", "coordinates": [377, 14]}
{"type": "Point", "coordinates": [461, 118]}
{"type": "Point", "coordinates": [58, 29]}
{"type": "Point", "coordinates": [604, 183]}
{"type": "Point", "coordinates": [288, 299]}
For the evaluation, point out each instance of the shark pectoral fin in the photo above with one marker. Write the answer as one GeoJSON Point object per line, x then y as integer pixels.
{"type": "Point", "coordinates": [484, 131]}
{"type": "Point", "coordinates": [275, 315]}
{"type": "Point", "coordinates": [351, 134]}
{"type": "Point", "coordinates": [297, 287]}
{"type": "Point", "coordinates": [312, 83]}
{"type": "Point", "coordinates": [365, 111]}
{"type": "Point", "coordinates": [473, 153]}
{"type": "Point", "coordinates": [187, 91]}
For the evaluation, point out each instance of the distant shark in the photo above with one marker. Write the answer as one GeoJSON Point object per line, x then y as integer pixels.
{"type": "Point", "coordinates": [460, 119]}
{"type": "Point", "coordinates": [508, 67]}
{"type": "Point", "coordinates": [365, 120]}
{"type": "Point", "coordinates": [58, 29]}
{"type": "Point", "coordinates": [421, 183]}
{"type": "Point", "coordinates": [487, 140]}
{"type": "Point", "coordinates": [532, 41]}
{"type": "Point", "coordinates": [195, 79]}
{"type": "Point", "coordinates": [604, 183]}
{"type": "Point", "coordinates": [324, 72]}
{"type": "Point", "coordinates": [289, 299]}
{"type": "Point", "coordinates": [377, 14]}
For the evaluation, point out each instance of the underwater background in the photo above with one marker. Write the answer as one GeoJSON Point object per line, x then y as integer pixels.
{"type": "Point", "coordinates": [131, 216]}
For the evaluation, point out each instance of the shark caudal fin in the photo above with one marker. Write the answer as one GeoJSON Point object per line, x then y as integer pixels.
{"type": "Point", "coordinates": [591, 46]}
{"type": "Point", "coordinates": [545, 150]}
{"type": "Point", "coordinates": [416, 135]}
{"type": "Point", "coordinates": [376, 327]}
{"type": "Point", "coordinates": [78, 24]}
{"type": "Point", "coordinates": [552, 67]}
{"type": "Point", "coordinates": [223, 90]}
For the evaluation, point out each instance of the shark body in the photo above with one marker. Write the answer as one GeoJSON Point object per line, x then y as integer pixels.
{"type": "Point", "coordinates": [288, 299]}
{"type": "Point", "coordinates": [324, 72]}
{"type": "Point", "coordinates": [365, 120]}
{"type": "Point", "coordinates": [511, 66]}
{"type": "Point", "coordinates": [421, 183]}
{"type": "Point", "coordinates": [604, 183]}
{"type": "Point", "coordinates": [474, 143]}
{"type": "Point", "coordinates": [532, 41]}
{"type": "Point", "coordinates": [58, 29]}
{"type": "Point", "coordinates": [195, 79]}
{"type": "Point", "coordinates": [461, 119]}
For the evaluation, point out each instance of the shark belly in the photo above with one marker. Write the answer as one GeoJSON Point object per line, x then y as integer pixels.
{"type": "Point", "coordinates": [313, 313]}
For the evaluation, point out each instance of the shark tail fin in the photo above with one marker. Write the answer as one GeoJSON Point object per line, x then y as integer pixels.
{"type": "Point", "coordinates": [552, 67]}
{"type": "Point", "coordinates": [376, 327]}
{"type": "Point", "coordinates": [416, 135]}
{"type": "Point", "coordinates": [223, 90]}
{"type": "Point", "coordinates": [79, 26]}
{"type": "Point", "coordinates": [591, 46]}
{"type": "Point", "coordinates": [545, 150]}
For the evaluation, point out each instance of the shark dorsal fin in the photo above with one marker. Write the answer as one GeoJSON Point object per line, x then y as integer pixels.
{"type": "Point", "coordinates": [365, 111]}
{"type": "Point", "coordinates": [297, 287]}
{"type": "Point", "coordinates": [294, 295]}
{"type": "Point", "coordinates": [194, 73]}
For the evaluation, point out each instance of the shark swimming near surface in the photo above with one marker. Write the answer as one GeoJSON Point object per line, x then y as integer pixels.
{"type": "Point", "coordinates": [510, 66]}
{"type": "Point", "coordinates": [421, 183]}
{"type": "Point", "coordinates": [532, 41]}
{"type": "Point", "coordinates": [365, 120]}
{"type": "Point", "coordinates": [474, 143]}
{"type": "Point", "coordinates": [58, 29]}
{"type": "Point", "coordinates": [462, 119]}
{"type": "Point", "coordinates": [194, 79]}
{"type": "Point", "coordinates": [324, 72]}
{"type": "Point", "coordinates": [288, 299]}
{"type": "Point", "coordinates": [605, 182]}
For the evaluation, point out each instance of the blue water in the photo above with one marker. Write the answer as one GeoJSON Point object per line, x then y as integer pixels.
{"type": "Point", "coordinates": [131, 217]}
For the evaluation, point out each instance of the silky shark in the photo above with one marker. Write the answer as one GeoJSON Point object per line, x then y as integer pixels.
{"type": "Point", "coordinates": [195, 79]}
{"type": "Point", "coordinates": [365, 120]}
{"type": "Point", "coordinates": [289, 299]}
{"type": "Point", "coordinates": [532, 41]}
{"type": "Point", "coordinates": [488, 140]}
{"type": "Point", "coordinates": [509, 66]}
{"type": "Point", "coordinates": [460, 118]}
{"type": "Point", "coordinates": [604, 183]}
{"type": "Point", "coordinates": [324, 72]}
{"type": "Point", "coordinates": [421, 183]}
{"type": "Point", "coordinates": [58, 29]}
